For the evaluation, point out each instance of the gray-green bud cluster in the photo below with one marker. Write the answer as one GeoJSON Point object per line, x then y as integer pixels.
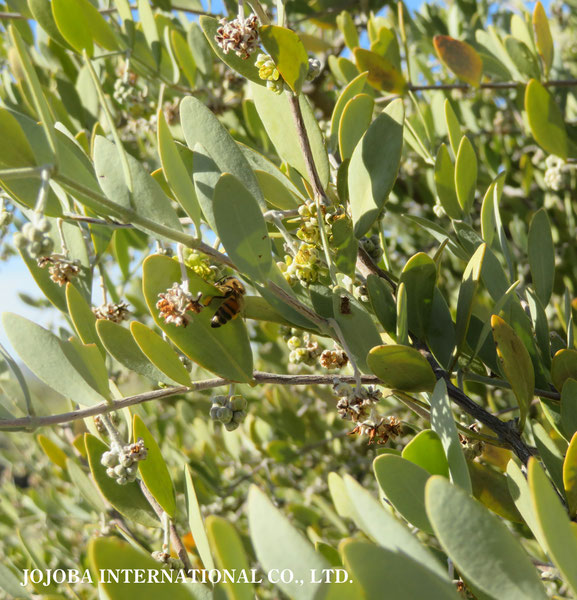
{"type": "Point", "coordinates": [35, 239]}
{"type": "Point", "coordinates": [121, 462]}
{"type": "Point", "coordinates": [231, 411]}
{"type": "Point", "coordinates": [372, 246]}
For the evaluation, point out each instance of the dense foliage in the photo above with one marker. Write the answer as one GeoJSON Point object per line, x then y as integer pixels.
{"type": "Point", "coordinates": [311, 269]}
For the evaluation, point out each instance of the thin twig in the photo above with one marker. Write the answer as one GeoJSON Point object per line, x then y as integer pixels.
{"type": "Point", "coordinates": [495, 85]}
{"type": "Point", "coordinates": [320, 196]}
{"type": "Point", "coordinates": [174, 537]}
{"type": "Point", "coordinates": [32, 423]}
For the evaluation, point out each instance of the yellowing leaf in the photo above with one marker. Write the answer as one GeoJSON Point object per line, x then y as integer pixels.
{"type": "Point", "coordinates": [543, 39]}
{"type": "Point", "coordinates": [570, 476]}
{"type": "Point", "coordinates": [516, 364]}
{"type": "Point", "coordinates": [383, 75]}
{"type": "Point", "coordinates": [460, 58]}
{"type": "Point", "coordinates": [52, 451]}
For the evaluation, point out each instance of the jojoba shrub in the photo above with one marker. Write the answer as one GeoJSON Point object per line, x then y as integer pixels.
{"type": "Point", "coordinates": [306, 288]}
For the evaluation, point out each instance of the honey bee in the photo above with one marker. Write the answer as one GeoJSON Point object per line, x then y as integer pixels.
{"type": "Point", "coordinates": [232, 291]}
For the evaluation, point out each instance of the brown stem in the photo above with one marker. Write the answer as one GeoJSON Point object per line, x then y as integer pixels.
{"type": "Point", "coordinates": [305, 145]}
{"type": "Point", "coordinates": [32, 423]}
{"type": "Point", "coordinates": [496, 85]}
{"type": "Point", "coordinates": [174, 537]}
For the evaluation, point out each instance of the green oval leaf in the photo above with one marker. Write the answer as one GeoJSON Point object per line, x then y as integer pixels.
{"type": "Point", "coordinates": [482, 548]}
{"type": "Point", "coordinates": [545, 120]}
{"type": "Point", "coordinates": [383, 302]}
{"type": "Point", "coordinates": [52, 451]}
{"type": "Point", "coordinates": [466, 174]}
{"type": "Point", "coordinates": [288, 53]}
{"type": "Point", "coordinates": [82, 317]}
{"type": "Point", "coordinates": [467, 293]}
{"type": "Point", "coordinates": [109, 554]}
{"type": "Point", "coordinates": [146, 198]}
{"type": "Point", "coordinates": [445, 183]}
{"type": "Point", "coordinates": [153, 469]}
{"type": "Point", "coordinates": [374, 166]}
{"type": "Point", "coordinates": [241, 228]}
{"type": "Point", "coordinates": [160, 353]}
{"type": "Point", "coordinates": [19, 152]}
{"type": "Point", "coordinates": [53, 361]}
{"type": "Point", "coordinates": [569, 408]}
{"type": "Point", "coordinates": [356, 118]}
{"type": "Point", "coordinates": [177, 177]}
{"type": "Point", "coordinates": [563, 367]}
{"type": "Point", "coordinates": [390, 533]}
{"type": "Point", "coordinates": [224, 350]}
{"type": "Point", "coordinates": [453, 127]}
{"type": "Point", "coordinates": [553, 523]}
{"type": "Point", "coordinates": [406, 579]}
{"type": "Point", "coordinates": [81, 25]}
{"type": "Point", "coordinates": [356, 86]}
{"type": "Point", "coordinates": [403, 483]}
{"type": "Point", "coordinates": [419, 277]}
{"type": "Point", "coordinates": [184, 56]}
{"type": "Point", "coordinates": [426, 450]}
{"type": "Point", "coordinates": [200, 126]}
{"type": "Point", "coordinates": [127, 499]}
{"type": "Point", "coordinates": [541, 256]}
{"type": "Point", "coordinates": [401, 368]}
{"type": "Point", "coordinates": [85, 485]}
{"type": "Point", "coordinates": [543, 38]}
{"type": "Point", "coordinates": [230, 554]}
{"type": "Point", "coordinates": [196, 523]}
{"type": "Point", "coordinates": [267, 526]}
{"type": "Point", "coordinates": [120, 344]}
{"type": "Point", "coordinates": [443, 423]}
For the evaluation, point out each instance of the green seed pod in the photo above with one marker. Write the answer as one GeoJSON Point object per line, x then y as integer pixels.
{"type": "Point", "coordinates": [237, 403]}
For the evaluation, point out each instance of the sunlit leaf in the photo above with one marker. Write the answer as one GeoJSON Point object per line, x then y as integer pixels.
{"type": "Point", "coordinates": [480, 545]}
{"type": "Point", "coordinates": [401, 368]}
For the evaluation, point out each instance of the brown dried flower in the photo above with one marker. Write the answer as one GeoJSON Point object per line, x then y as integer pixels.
{"type": "Point", "coordinates": [60, 268]}
{"type": "Point", "coordinates": [112, 312]}
{"type": "Point", "coordinates": [240, 36]}
{"type": "Point", "coordinates": [333, 359]}
{"type": "Point", "coordinates": [380, 432]}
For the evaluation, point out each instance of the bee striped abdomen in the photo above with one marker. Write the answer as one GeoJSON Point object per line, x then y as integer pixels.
{"type": "Point", "coordinates": [227, 311]}
{"type": "Point", "coordinates": [232, 294]}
